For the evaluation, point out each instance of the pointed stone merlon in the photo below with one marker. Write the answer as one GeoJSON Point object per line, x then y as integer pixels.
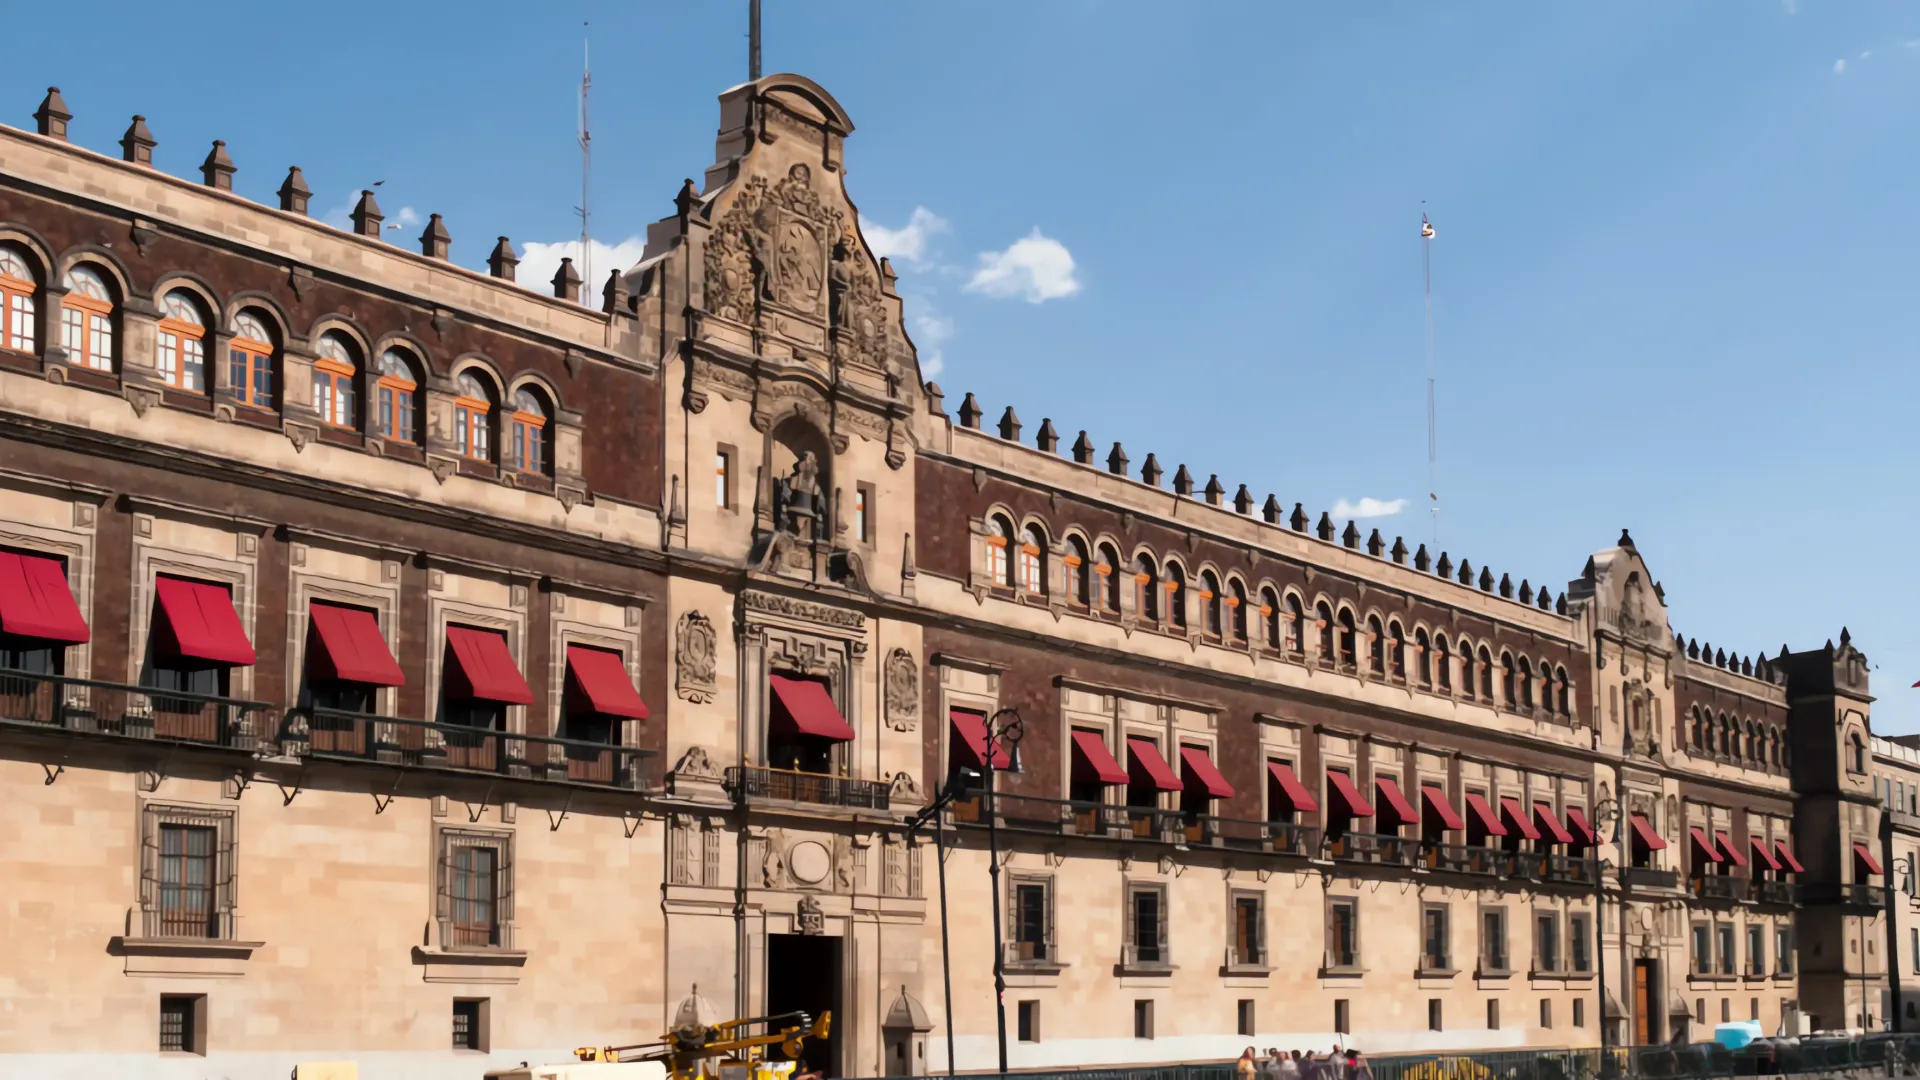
{"type": "Point", "coordinates": [970, 412]}
{"type": "Point", "coordinates": [434, 239]}
{"type": "Point", "coordinates": [1182, 480]}
{"type": "Point", "coordinates": [137, 144]}
{"type": "Point", "coordinates": [217, 170]}
{"type": "Point", "coordinates": [51, 118]}
{"type": "Point", "coordinates": [1083, 449]}
{"type": "Point", "coordinates": [367, 216]}
{"type": "Point", "coordinates": [1117, 460]}
{"type": "Point", "coordinates": [614, 298]}
{"type": "Point", "coordinates": [1010, 425]}
{"type": "Point", "coordinates": [500, 264]}
{"type": "Point", "coordinates": [1150, 471]}
{"type": "Point", "coordinates": [566, 282]}
{"type": "Point", "coordinates": [294, 192]}
{"type": "Point", "coordinates": [1047, 439]}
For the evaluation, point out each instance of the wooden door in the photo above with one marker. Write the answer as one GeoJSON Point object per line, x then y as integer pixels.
{"type": "Point", "coordinates": [1643, 1002]}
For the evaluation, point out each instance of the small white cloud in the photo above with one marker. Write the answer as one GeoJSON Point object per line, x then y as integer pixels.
{"type": "Point", "coordinates": [1792, 7]}
{"type": "Point", "coordinates": [1864, 53]}
{"type": "Point", "coordinates": [1368, 508]}
{"type": "Point", "coordinates": [1840, 66]}
{"type": "Point", "coordinates": [1035, 268]}
{"type": "Point", "coordinates": [539, 262]}
{"type": "Point", "coordinates": [908, 244]}
{"type": "Point", "coordinates": [404, 218]}
{"type": "Point", "coordinates": [931, 332]}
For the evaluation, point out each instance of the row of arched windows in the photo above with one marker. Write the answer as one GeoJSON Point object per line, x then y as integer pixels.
{"type": "Point", "coordinates": [1096, 579]}
{"type": "Point", "coordinates": [1752, 743]}
{"type": "Point", "coordinates": [187, 343]}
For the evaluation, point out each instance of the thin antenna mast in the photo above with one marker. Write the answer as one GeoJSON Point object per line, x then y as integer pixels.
{"type": "Point", "coordinates": [586, 164]}
{"type": "Point", "coordinates": [753, 40]}
{"type": "Point", "coordinates": [1433, 442]}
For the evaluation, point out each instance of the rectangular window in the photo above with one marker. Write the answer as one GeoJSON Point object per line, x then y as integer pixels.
{"type": "Point", "coordinates": [1580, 942]}
{"type": "Point", "coordinates": [1783, 950]}
{"type": "Point", "coordinates": [1579, 1012]}
{"type": "Point", "coordinates": [1249, 938]}
{"type": "Point", "coordinates": [475, 887]}
{"type": "Point", "coordinates": [1244, 1014]}
{"type": "Point", "coordinates": [1343, 934]}
{"type": "Point", "coordinates": [1433, 1014]}
{"type": "Point", "coordinates": [1342, 1017]}
{"type": "Point", "coordinates": [1756, 950]}
{"type": "Point", "coordinates": [1493, 1015]}
{"type": "Point", "coordinates": [470, 1024]}
{"type": "Point", "coordinates": [1546, 1012]}
{"type": "Point", "coordinates": [1143, 1019]}
{"type": "Point", "coordinates": [1727, 948]}
{"type": "Point", "coordinates": [1916, 950]}
{"type": "Point", "coordinates": [1033, 921]}
{"type": "Point", "coordinates": [186, 881]}
{"type": "Point", "coordinates": [1147, 936]}
{"type": "Point", "coordinates": [1726, 1010]}
{"type": "Point", "coordinates": [1493, 940]}
{"type": "Point", "coordinates": [1700, 1011]}
{"type": "Point", "coordinates": [1029, 1022]}
{"type": "Point", "coordinates": [183, 1023]}
{"type": "Point", "coordinates": [723, 478]}
{"type": "Point", "coordinates": [1434, 950]}
{"type": "Point", "coordinates": [1702, 950]}
{"type": "Point", "coordinates": [1546, 941]}
{"type": "Point", "coordinates": [1753, 1008]}
{"type": "Point", "coordinates": [863, 513]}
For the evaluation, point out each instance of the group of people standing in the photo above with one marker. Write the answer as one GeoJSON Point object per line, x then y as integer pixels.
{"type": "Point", "coordinates": [1337, 1064]}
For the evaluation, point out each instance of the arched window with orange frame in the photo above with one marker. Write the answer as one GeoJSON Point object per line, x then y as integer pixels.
{"type": "Point", "coordinates": [1033, 564]}
{"type": "Point", "coordinates": [19, 301]}
{"type": "Point", "coordinates": [473, 418]}
{"type": "Point", "coordinates": [529, 432]}
{"type": "Point", "coordinates": [250, 360]}
{"type": "Point", "coordinates": [1079, 573]}
{"type": "Point", "coordinates": [1236, 601]}
{"type": "Point", "coordinates": [335, 372]}
{"type": "Point", "coordinates": [180, 348]}
{"type": "Point", "coordinates": [86, 320]}
{"type": "Point", "coordinates": [397, 395]}
{"type": "Point", "coordinates": [1210, 607]}
{"type": "Point", "coordinates": [1107, 577]}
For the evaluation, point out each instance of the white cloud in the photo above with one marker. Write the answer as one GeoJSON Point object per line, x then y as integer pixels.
{"type": "Point", "coordinates": [909, 243]}
{"type": "Point", "coordinates": [1034, 268]}
{"type": "Point", "coordinates": [1792, 7]}
{"type": "Point", "coordinates": [1840, 66]}
{"type": "Point", "coordinates": [539, 262]}
{"type": "Point", "coordinates": [1368, 508]}
{"type": "Point", "coordinates": [404, 218]}
{"type": "Point", "coordinates": [931, 332]}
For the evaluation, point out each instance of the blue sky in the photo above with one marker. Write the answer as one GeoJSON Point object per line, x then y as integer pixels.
{"type": "Point", "coordinates": [1673, 283]}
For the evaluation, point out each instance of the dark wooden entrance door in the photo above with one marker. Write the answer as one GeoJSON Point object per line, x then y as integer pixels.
{"type": "Point", "coordinates": [1645, 1029]}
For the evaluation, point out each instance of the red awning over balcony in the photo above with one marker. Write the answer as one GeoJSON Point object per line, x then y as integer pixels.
{"type": "Point", "coordinates": [1862, 857]}
{"type": "Point", "coordinates": [1200, 767]}
{"type": "Point", "coordinates": [600, 676]}
{"type": "Point", "coordinates": [35, 600]}
{"type": "Point", "coordinates": [1483, 813]}
{"type": "Point", "coordinates": [1515, 816]}
{"type": "Point", "coordinates": [1643, 829]}
{"type": "Point", "coordinates": [971, 727]}
{"type": "Point", "coordinates": [1582, 829]}
{"type": "Point", "coordinates": [1436, 801]}
{"type": "Point", "coordinates": [1303, 800]}
{"type": "Point", "coordinates": [1549, 824]}
{"type": "Point", "coordinates": [1093, 761]}
{"type": "Point", "coordinates": [1391, 800]}
{"type": "Point", "coordinates": [483, 669]}
{"type": "Point", "coordinates": [1728, 848]}
{"type": "Point", "coordinates": [352, 648]}
{"type": "Point", "coordinates": [1786, 856]}
{"type": "Point", "coordinates": [1704, 844]}
{"type": "Point", "coordinates": [803, 707]}
{"type": "Point", "coordinates": [1147, 757]}
{"type": "Point", "coordinates": [1762, 855]}
{"type": "Point", "coordinates": [198, 622]}
{"type": "Point", "coordinates": [1347, 798]}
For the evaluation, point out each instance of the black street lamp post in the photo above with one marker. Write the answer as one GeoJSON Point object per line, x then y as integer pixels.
{"type": "Point", "coordinates": [1003, 729]}
{"type": "Point", "coordinates": [1606, 820]}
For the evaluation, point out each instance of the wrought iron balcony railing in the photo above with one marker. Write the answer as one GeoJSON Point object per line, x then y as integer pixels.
{"type": "Point", "coordinates": [336, 734]}
{"type": "Point", "coordinates": [1718, 887]}
{"type": "Point", "coordinates": [1648, 877]}
{"type": "Point", "coordinates": [819, 789]}
{"type": "Point", "coordinates": [138, 712]}
{"type": "Point", "coordinates": [1776, 892]}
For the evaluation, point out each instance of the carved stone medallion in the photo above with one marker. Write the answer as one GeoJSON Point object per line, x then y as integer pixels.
{"type": "Point", "coordinates": [808, 862]}
{"type": "Point", "coordinates": [693, 658]}
{"type": "Point", "coordinates": [903, 691]}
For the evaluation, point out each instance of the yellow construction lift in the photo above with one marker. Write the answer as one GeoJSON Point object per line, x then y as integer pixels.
{"type": "Point", "coordinates": [731, 1051]}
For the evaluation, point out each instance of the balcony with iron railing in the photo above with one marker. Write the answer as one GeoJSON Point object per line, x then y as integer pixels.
{"type": "Point", "coordinates": [1114, 821]}
{"type": "Point", "coordinates": [752, 783]}
{"type": "Point", "coordinates": [93, 707]}
{"type": "Point", "coordinates": [1718, 887]}
{"type": "Point", "coordinates": [1648, 877]}
{"type": "Point", "coordinates": [1776, 892]}
{"type": "Point", "coordinates": [1851, 894]}
{"type": "Point", "coordinates": [349, 736]}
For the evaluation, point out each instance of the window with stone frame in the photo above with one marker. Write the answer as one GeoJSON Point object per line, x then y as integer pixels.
{"type": "Point", "coordinates": [531, 433]}
{"type": "Point", "coordinates": [336, 375]}
{"type": "Point", "coordinates": [1756, 949]}
{"type": "Point", "coordinates": [1032, 561]}
{"type": "Point", "coordinates": [1248, 948]}
{"type": "Point", "coordinates": [1146, 917]}
{"type": "Point", "coordinates": [1702, 949]}
{"type": "Point", "coordinates": [180, 344]}
{"type": "Point", "coordinates": [1546, 942]}
{"type": "Point", "coordinates": [19, 301]}
{"type": "Point", "coordinates": [397, 395]}
{"type": "Point", "coordinates": [1436, 938]}
{"type": "Point", "coordinates": [473, 889]}
{"type": "Point", "coordinates": [1580, 942]}
{"type": "Point", "coordinates": [1343, 933]}
{"type": "Point", "coordinates": [1727, 948]}
{"type": "Point", "coordinates": [1079, 573]}
{"type": "Point", "coordinates": [1030, 915]}
{"type": "Point", "coordinates": [250, 360]}
{"type": "Point", "coordinates": [87, 316]}
{"type": "Point", "coordinates": [999, 536]}
{"type": "Point", "coordinates": [1494, 958]}
{"type": "Point", "coordinates": [187, 872]}
{"type": "Point", "coordinates": [1783, 950]}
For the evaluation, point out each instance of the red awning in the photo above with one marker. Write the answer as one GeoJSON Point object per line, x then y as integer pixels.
{"type": "Point", "coordinates": [1390, 798]}
{"type": "Point", "coordinates": [1516, 815]}
{"type": "Point", "coordinates": [600, 675]}
{"type": "Point", "coordinates": [352, 648]}
{"type": "Point", "coordinates": [1147, 757]}
{"type": "Point", "coordinates": [1761, 854]}
{"type": "Point", "coordinates": [971, 727]}
{"type": "Point", "coordinates": [1865, 858]}
{"type": "Point", "coordinates": [1436, 800]}
{"type": "Point", "coordinates": [1093, 761]}
{"type": "Point", "coordinates": [483, 668]}
{"type": "Point", "coordinates": [1200, 767]}
{"type": "Point", "coordinates": [803, 707]}
{"type": "Point", "coordinates": [1303, 800]}
{"type": "Point", "coordinates": [35, 600]}
{"type": "Point", "coordinates": [1727, 848]}
{"type": "Point", "coordinates": [1489, 821]}
{"type": "Point", "coordinates": [199, 622]}
{"type": "Point", "coordinates": [1781, 849]}
{"type": "Point", "coordinates": [1644, 830]}
{"type": "Point", "coordinates": [1704, 844]}
{"type": "Point", "coordinates": [1582, 829]}
{"type": "Point", "coordinates": [1549, 823]}
{"type": "Point", "coordinates": [1346, 796]}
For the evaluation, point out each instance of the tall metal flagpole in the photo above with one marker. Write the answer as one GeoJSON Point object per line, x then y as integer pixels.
{"type": "Point", "coordinates": [586, 165]}
{"type": "Point", "coordinates": [753, 40]}
{"type": "Point", "coordinates": [1433, 444]}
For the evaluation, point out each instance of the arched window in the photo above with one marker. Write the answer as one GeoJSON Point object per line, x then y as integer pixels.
{"type": "Point", "coordinates": [1033, 561]}
{"type": "Point", "coordinates": [250, 361]}
{"type": "Point", "coordinates": [1078, 570]}
{"type": "Point", "coordinates": [397, 395]}
{"type": "Point", "coordinates": [1107, 570]}
{"type": "Point", "coordinates": [1349, 640]}
{"type": "Point", "coordinates": [1176, 595]}
{"type": "Point", "coordinates": [1376, 646]}
{"type": "Point", "coordinates": [1506, 679]}
{"type": "Point", "coordinates": [19, 301]}
{"type": "Point", "coordinates": [1726, 735]}
{"type": "Point", "coordinates": [180, 348]}
{"type": "Point", "coordinates": [1526, 684]}
{"type": "Point", "coordinates": [1560, 688]}
{"type": "Point", "coordinates": [530, 432]}
{"type": "Point", "coordinates": [1323, 621]}
{"type": "Point", "coordinates": [1237, 609]}
{"type": "Point", "coordinates": [473, 418]}
{"type": "Point", "coordinates": [1486, 674]}
{"type": "Point", "coordinates": [999, 535]}
{"type": "Point", "coordinates": [1396, 650]}
{"type": "Point", "coordinates": [1423, 658]}
{"type": "Point", "coordinates": [1859, 750]}
{"type": "Point", "coordinates": [1779, 749]}
{"type": "Point", "coordinates": [1146, 589]}
{"type": "Point", "coordinates": [1296, 626]}
{"type": "Point", "coordinates": [1273, 625]}
{"type": "Point", "coordinates": [1210, 604]}
{"type": "Point", "coordinates": [1693, 727]}
{"type": "Point", "coordinates": [86, 320]}
{"type": "Point", "coordinates": [334, 371]}
{"type": "Point", "coordinates": [1442, 664]}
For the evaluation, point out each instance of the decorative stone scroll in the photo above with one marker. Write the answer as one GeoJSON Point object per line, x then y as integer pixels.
{"type": "Point", "coordinates": [694, 658]}
{"type": "Point", "coordinates": [903, 691]}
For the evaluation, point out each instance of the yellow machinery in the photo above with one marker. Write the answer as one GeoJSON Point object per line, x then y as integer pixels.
{"type": "Point", "coordinates": [688, 1050]}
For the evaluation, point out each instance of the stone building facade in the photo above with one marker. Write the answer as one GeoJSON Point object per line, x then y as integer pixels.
{"type": "Point", "coordinates": [406, 665]}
